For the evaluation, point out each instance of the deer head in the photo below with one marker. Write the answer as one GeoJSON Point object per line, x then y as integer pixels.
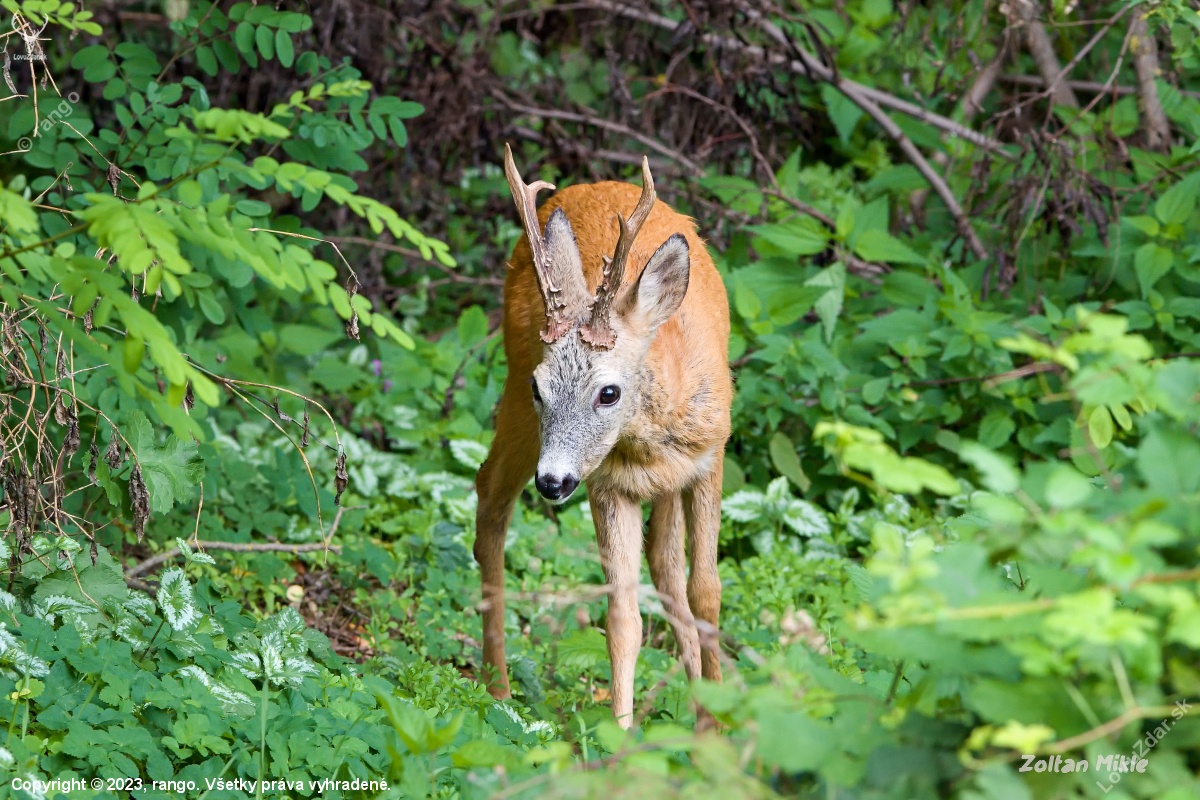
{"type": "Point", "coordinates": [587, 386]}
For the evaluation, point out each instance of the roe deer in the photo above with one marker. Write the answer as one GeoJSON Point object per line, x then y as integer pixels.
{"type": "Point", "coordinates": [616, 330]}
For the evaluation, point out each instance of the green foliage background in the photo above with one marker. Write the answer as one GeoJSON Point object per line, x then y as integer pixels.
{"type": "Point", "coordinates": [962, 511]}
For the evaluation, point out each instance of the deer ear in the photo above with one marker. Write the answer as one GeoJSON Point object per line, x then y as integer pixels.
{"type": "Point", "coordinates": [566, 265]}
{"type": "Point", "coordinates": [662, 285]}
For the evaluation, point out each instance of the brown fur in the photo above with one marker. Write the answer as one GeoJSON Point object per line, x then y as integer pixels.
{"type": "Point", "coordinates": [669, 452]}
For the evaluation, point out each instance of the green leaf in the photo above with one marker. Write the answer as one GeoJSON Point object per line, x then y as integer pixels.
{"type": "Point", "coordinates": [1152, 262]}
{"type": "Point", "coordinates": [1100, 427]}
{"type": "Point", "coordinates": [830, 305]}
{"type": "Point", "coordinates": [773, 287]}
{"type": "Point", "coordinates": [996, 470]}
{"type": "Point", "coordinates": [211, 307]}
{"type": "Point", "coordinates": [89, 57]}
{"type": "Point", "coordinates": [472, 326]}
{"type": "Point", "coordinates": [1176, 204]}
{"type": "Point", "coordinates": [843, 112]}
{"type": "Point", "coordinates": [171, 471]}
{"type": "Point", "coordinates": [243, 37]}
{"type": "Point", "coordinates": [283, 48]}
{"type": "Point", "coordinates": [114, 89]}
{"type": "Point", "coordinates": [265, 39]}
{"type": "Point", "coordinates": [103, 582]}
{"type": "Point", "coordinates": [793, 741]}
{"type": "Point", "coordinates": [399, 132]}
{"type": "Point", "coordinates": [308, 340]}
{"type": "Point", "coordinates": [1066, 488]}
{"type": "Point", "coordinates": [189, 193]}
{"type": "Point", "coordinates": [1147, 225]}
{"type": "Point", "coordinates": [996, 428]}
{"type": "Point", "coordinates": [206, 60]}
{"type": "Point", "coordinates": [479, 753]}
{"type": "Point", "coordinates": [748, 306]}
{"type": "Point", "coordinates": [787, 461]}
{"type": "Point", "coordinates": [873, 391]}
{"type": "Point", "coordinates": [876, 245]}
{"type": "Point", "coordinates": [582, 650]}
{"type": "Point", "coordinates": [176, 601]}
{"type": "Point", "coordinates": [404, 109]}
{"type": "Point", "coordinates": [253, 208]}
{"type": "Point", "coordinates": [612, 737]}
{"type": "Point", "coordinates": [133, 352]}
{"type": "Point", "coordinates": [802, 236]}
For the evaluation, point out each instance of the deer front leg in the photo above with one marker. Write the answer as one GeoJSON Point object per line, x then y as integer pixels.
{"type": "Point", "coordinates": [668, 568]}
{"type": "Point", "coordinates": [509, 465]}
{"type": "Point", "coordinates": [702, 505]}
{"type": "Point", "coordinates": [618, 520]}
{"type": "Point", "coordinates": [489, 552]}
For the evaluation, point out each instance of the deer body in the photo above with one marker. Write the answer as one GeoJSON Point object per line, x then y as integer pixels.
{"type": "Point", "coordinates": [622, 379]}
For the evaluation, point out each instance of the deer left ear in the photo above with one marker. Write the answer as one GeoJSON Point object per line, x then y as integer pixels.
{"type": "Point", "coordinates": [662, 285]}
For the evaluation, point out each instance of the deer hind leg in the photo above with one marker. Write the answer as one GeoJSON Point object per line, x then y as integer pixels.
{"type": "Point", "coordinates": [509, 466]}
{"type": "Point", "coordinates": [702, 505]}
{"type": "Point", "coordinates": [664, 551]}
{"type": "Point", "coordinates": [618, 520]}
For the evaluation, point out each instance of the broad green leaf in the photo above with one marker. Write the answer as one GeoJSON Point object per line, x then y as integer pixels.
{"type": "Point", "coordinates": [843, 112]}
{"type": "Point", "coordinates": [1066, 488]}
{"type": "Point", "coordinates": [582, 650]}
{"type": "Point", "coordinates": [802, 236]}
{"type": "Point", "coordinates": [472, 326]}
{"type": "Point", "coordinates": [875, 245]}
{"type": "Point", "coordinates": [1175, 205]}
{"type": "Point", "coordinates": [1152, 262]}
{"type": "Point", "coordinates": [996, 429]}
{"type": "Point", "coordinates": [171, 471]}
{"type": "Point", "coordinates": [176, 600]}
{"type": "Point", "coordinates": [830, 305]}
{"type": "Point", "coordinates": [996, 470]}
{"type": "Point", "coordinates": [787, 461]}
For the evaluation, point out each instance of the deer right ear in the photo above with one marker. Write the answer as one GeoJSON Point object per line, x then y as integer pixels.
{"type": "Point", "coordinates": [566, 266]}
{"type": "Point", "coordinates": [662, 285]}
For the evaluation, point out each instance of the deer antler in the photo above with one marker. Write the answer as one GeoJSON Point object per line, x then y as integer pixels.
{"type": "Point", "coordinates": [560, 317]}
{"type": "Point", "coordinates": [597, 331]}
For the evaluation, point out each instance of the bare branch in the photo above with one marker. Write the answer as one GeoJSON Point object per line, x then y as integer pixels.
{"type": "Point", "coordinates": [1085, 86]}
{"type": "Point", "coordinates": [1042, 50]}
{"type": "Point", "coordinates": [238, 547]}
{"type": "Point", "coordinates": [809, 65]}
{"type": "Point", "coordinates": [615, 127]}
{"type": "Point", "coordinates": [1145, 61]}
{"type": "Point", "coordinates": [923, 166]}
{"type": "Point", "coordinates": [972, 100]}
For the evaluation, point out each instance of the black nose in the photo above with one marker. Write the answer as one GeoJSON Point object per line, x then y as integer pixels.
{"type": "Point", "coordinates": [553, 488]}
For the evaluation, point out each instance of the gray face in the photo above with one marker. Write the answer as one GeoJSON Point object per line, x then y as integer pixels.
{"type": "Point", "coordinates": [581, 396]}
{"type": "Point", "coordinates": [585, 396]}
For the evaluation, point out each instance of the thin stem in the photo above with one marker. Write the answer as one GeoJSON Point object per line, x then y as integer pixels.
{"type": "Point", "coordinates": [152, 638]}
{"type": "Point", "coordinates": [262, 740]}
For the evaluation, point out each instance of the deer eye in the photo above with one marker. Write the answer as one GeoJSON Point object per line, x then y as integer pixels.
{"type": "Point", "coordinates": [536, 394]}
{"type": "Point", "coordinates": [609, 396]}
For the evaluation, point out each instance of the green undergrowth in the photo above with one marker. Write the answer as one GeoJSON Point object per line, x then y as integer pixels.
{"type": "Point", "coordinates": [960, 524]}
